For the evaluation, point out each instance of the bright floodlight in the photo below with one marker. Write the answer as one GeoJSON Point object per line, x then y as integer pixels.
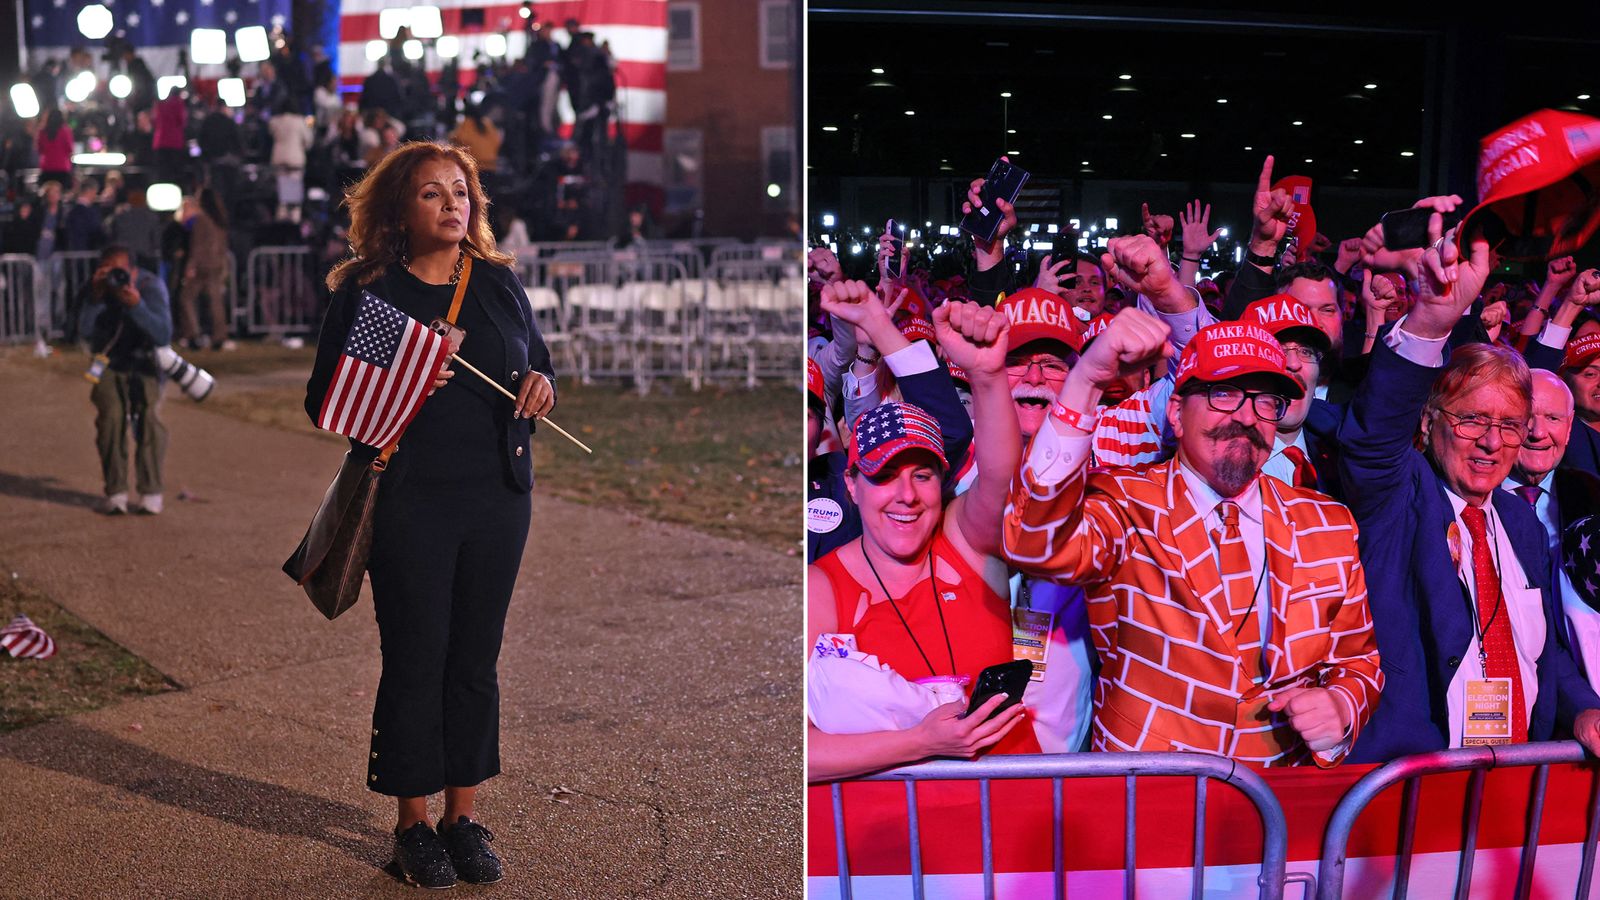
{"type": "Point", "coordinates": [412, 49]}
{"type": "Point", "coordinates": [390, 21]}
{"type": "Point", "coordinates": [94, 21]}
{"type": "Point", "coordinates": [99, 159]}
{"type": "Point", "coordinates": [24, 101]}
{"type": "Point", "coordinates": [166, 83]}
{"type": "Point", "coordinates": [376, 50]}
{"type": "Point", "coordinates": [827, 220]}
{"type": "Point", "coordinates": [81, 86]}
{"type": "Point", "coordinates": [252, 43]}
{"type": "Point", "coordinates": [448, 47]}
{"type": "Point", "coordinates": [774, 189]}
{"type": "Point", "coordinates": [495, 45]}
{"type": "Point", "coordinates": [121, 86]}
{"type": "Point", "coordinates": [208, 46]}
{"type": "Point", "coordinates": [425, 22]}
{"type": "Point", "coordinates": [231, 90]}
{"type": "Point", "coordinates": [164, 197]}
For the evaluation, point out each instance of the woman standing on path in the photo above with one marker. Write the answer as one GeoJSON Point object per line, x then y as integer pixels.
{"type": "Point", "coordinates": [453, 510]}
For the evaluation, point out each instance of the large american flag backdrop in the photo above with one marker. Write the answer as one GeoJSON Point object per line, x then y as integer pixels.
{"type": "Point", "coordinates": [635, 29]}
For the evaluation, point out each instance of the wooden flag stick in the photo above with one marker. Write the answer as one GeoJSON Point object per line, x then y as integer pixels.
{"type": "Point", "coordinates": [513, 397]}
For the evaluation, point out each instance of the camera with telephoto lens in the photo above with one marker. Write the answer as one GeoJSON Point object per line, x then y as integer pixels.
{"type": "Point", "coordinates": [117, 279]}
{"type": "Point", "coordinates": [195, 382]}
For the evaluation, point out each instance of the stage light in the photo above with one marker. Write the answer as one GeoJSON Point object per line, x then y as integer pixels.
{"type": "Point", "coordinates": [166, 83]}
{"type": "Point", "coordinates": [495, 45]}
{"type": "Point", "coordinates": [830, 128]}
{"type": "Point", "coordinates": [99, 159]}
{"type": "Point", "coordinates": [1006, 95]}
{"type": "Point", "coordinates": [1125, 77]}
{"type": "Point", "coordinates": [121, 86]}
{"type": "Point", "coordinates": [164, 197]}
{"type": "Point", "coordinates": [376, 50]}
{"type": "Point", "coordinates": [24, 101]}
{"type": "Point", "coordinates": [1107, 117]}
{"type": "Point", "coordinates": [231, 90]}
{"type": "Point", "coordinates": [390, 21]}
{"type": "Point", "coordinates": [1052, 228]}
{"type": "Point", "coordinates": [1222, 99]}
{"type": "Point", "coordinates": [773, 190]}
{"type": "Point", "coordinates": [1407, 153]}
{"type": "Point", "coordinates": [1187, 134]}
{"type": "Point", "coordinates": [208, 46]}
{"type": "Point", "coordinates": [1370, 86]}
{"type": "Point", "coordinates": [877, 71]}
{"type": "Point", "coordinates": [94, 21]}
{"type": "Point", "coordinates": [911, 112]}
{"type": "Point", "coordinates": [252, 44]}
{"type": "Point", "coordinates": [412, 49]}
{"type": "Point", "coordinates": [1111, 223]}
{"type": "Point", "coordinates": [827, 220]}
{"type": "Point", "coordinates": [1297, 122]}
{"type": "Point", "coordinates": [448, 47]}
{"type": "Point", "coordinates": [426, 23]}
{"type": "Point", "coordinates": [81, 86]}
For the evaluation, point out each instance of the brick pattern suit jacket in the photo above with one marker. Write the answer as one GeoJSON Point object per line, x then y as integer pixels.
{"type": "Point", "coordinates": [1174, 674]}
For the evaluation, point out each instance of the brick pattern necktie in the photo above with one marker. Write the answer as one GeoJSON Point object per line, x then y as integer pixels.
{"type": "Point", "coordinates": [1495, 620]}
{"type": "Point", "coordinates": [1530, 493]}
{"type": "Point", "coordinates": [1305, 474]}
{"type": "Point", "coordinates": [1238, 585]}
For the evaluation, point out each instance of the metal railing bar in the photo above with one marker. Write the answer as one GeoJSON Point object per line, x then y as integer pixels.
{"type": "Point", "coordinates": [988, 839]}
{"type": "Point", "coordinates": [838, 842]}
{"type": "Point", "coordinates": [1057, 838]}
{"type": "Point", "coordinates": [1590, 834]}
{"type": "Point", "coordinates": [1530, 845]}
{"type": "Point", "coordinates": [1130, 889]}
{"type": "Point", "coordinates": [915, 840]}
{"type": "Point", "coordinates": [1469, 842]}
{"type": "Point", "coordinates": [1198, 891]}
{"type": "Point", "coordinates": [1408, 833]}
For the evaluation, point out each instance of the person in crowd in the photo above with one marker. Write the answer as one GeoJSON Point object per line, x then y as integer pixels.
{"type": "Point", "coordinates": [138, 142]}
{"type": "Point", "coordinates": [85, 225]}
{"type": "Point", "coordinates": [1569, 344]}
{"type": "Point", "coordinates": [138, 228]}
{"type": "Point", "coordinates": [1192, 576]}
{"type": "Point", "coordinates": [168, 139]}
{"type": "Point", "coordinates": [480, 138]}
{"type": "Point", "coordinates": [380, 90]}
{"type": "Point", "coordinates": [1436, 530]}
{"type": "Point", "coordinates": [1560, 497]}
{"type": "Point", "coordinates": [55, 149]}
{"type": "Point", "coordinates": [1304, 450]}
{"type": "Point", "coordinates": [205, 271]}
{"type": "Point", "coordinates": [291, 139]}
{"type": "Point", "coordinates": [326, 104]}
{"type": "Point", "coordinates": [453, 513]}
{"type": "Point", "coordinates": [125, 319]}
{"type": "Point", "coordinates": [923, 588]}
{"type": "Point", "coordinates": [832, 516]}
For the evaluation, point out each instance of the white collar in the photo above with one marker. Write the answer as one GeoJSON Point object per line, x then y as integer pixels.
{"type": "Point", "coordinates": [1205, 499]}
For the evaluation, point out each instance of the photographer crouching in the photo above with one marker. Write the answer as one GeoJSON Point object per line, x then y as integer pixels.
{"type": "Point", "coordinates": [126, 317]}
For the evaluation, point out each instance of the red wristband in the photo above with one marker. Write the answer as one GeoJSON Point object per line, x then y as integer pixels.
{"type": "Point", "coordinates": [1074, 419]}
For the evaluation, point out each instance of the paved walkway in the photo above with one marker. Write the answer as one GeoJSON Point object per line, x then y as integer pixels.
{"type": "Point", "coordinates": [650, 688]}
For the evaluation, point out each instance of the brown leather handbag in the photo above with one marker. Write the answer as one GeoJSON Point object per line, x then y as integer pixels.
{"type": "Point", "coordinates": [331, 561]}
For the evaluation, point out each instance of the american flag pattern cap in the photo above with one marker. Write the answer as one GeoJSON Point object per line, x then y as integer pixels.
{"type": "Point", "coordinates": [25, 640]}
{"type": "Point", "coordinates": [887, 430]}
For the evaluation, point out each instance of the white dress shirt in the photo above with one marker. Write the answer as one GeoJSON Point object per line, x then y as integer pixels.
{"type": "Point", "coordinates": [1519, 599]}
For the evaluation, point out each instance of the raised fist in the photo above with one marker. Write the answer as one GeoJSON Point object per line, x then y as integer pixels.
{"type": "Point", "coordinates": [1133, 341]}
{"type": "Point", "coordinates": [1139, 265]}
{"type": "Point", "coordinates": [973, 337]}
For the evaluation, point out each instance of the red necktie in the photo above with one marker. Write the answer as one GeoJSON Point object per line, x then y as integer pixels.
{"type": "Point", "coordinates": [1530, 493]}
{"type": "Point", "coordinates": [1305, 474]}
{"type": "Point", "coordinates": [1495, 620]}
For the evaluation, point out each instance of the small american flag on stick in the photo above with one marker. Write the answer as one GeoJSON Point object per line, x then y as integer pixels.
{"type": "Point", "coordinates": [25, 640]}
{"type": "Point", "coordinates": [388, 363]}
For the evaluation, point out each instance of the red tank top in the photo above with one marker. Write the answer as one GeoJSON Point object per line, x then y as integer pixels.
{"type": "Point", "coordinates": [977, 619]}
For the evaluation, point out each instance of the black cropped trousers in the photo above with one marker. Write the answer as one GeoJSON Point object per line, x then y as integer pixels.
{"type": "Point", "coordinates": [443, 564]}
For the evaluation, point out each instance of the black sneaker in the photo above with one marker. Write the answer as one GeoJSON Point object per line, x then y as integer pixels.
{"type": "Point", "coordinates": [469, 851]}
{"type": "Point", "coordinates": [422, 858]}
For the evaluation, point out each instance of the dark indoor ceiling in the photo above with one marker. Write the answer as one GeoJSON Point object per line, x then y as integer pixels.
{"type": "Point", "coordinates": [1138, 93]}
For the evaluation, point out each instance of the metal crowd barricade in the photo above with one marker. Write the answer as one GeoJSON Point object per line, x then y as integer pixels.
{"type": "Point", "coordinates": [1477, 760]}
{"type": "Point", "coordinates": [754, 319]}
{"type": "Point", "coordinates": [282, 294]}
{"type": "Point", "coordinates": [1056, 768]}
{"type": "Point", "coordinates": [68, 272]}
{"type": "Point", "coordinates": [549, 311]}
{"type": "Point", "coordinates": [23, 316]}
{"type": "Point", "coordinates": [774, 252]}
{"type": "Point", "coordinates": [629, 316]}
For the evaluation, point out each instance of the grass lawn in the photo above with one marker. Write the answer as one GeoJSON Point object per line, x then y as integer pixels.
{"type": "Point", "coordinates": [88, 671]}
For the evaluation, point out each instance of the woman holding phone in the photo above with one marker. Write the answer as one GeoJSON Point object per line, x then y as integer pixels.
{"type": "Point", "coordinates": [924, 588]}
{"type": "Point", "coordinates": [452, 513]}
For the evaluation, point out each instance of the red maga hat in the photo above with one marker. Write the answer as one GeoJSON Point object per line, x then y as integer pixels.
{"type": "Point", "coordinates": [1582, 351]}
{"type": "Point", "coordinates": [814, 384]}
{"type": "Point", "coordinates": [1302, 218]}
{"type": "Point", "coordinates": [916, 328]}
{"type": "Point", "coordinates": [1288, 319]}
{"type": "Point", "coordinates": [1094, 326]}
{"type": "Point", "coordinates": [1229, 350]}
{"type": "Point", "coordinates": [1538, 186]}
{"type": "Point", "coordinates": [1036, 314]}
{"type": "Point", "coordinates": [958, 374]}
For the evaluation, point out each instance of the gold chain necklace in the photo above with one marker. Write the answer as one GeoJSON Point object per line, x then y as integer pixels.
{"type": "Point", "coordinates": [455, 273]}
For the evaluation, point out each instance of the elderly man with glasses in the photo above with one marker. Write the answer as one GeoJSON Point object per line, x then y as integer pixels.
{"type": "Point", "coordinates": [1467, 618]}
{"type": "Point", "coordinates": [1228, 611]}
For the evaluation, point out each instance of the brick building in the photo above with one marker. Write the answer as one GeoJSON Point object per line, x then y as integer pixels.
{"type": "Point", "coordinates": [731, 144]}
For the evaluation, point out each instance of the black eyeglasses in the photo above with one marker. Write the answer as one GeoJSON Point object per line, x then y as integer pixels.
{"type": "Point", "coordinates": [1473, 426]}
{"type": "Point", "coordinates": [1306, 354]}
{"type": "Point", "coordinates": [1226, 398]}
{"type": "Point", "coordinates": [1051, 368]}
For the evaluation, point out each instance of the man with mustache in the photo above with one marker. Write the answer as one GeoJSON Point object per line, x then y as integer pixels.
{"type": "Point", "coordinates": [1228, 611]}
{"type": "Point", "coordinates": [1559, 496]}
{"type": "Point", "coordinates": [1467, 617]}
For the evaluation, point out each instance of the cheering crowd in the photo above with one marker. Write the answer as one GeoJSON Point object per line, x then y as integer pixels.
{"type": "Point", "coordinates": [1338, 505]}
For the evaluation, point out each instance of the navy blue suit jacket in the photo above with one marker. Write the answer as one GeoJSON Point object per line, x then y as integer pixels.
{"type": "Point", "coordinates": [1420, 610]}
{"type": "Point", "coordinates": [1322, 445]}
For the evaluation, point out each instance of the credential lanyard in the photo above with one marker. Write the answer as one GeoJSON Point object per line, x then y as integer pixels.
{"type": "Point", "coordinates": [382, 461]}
